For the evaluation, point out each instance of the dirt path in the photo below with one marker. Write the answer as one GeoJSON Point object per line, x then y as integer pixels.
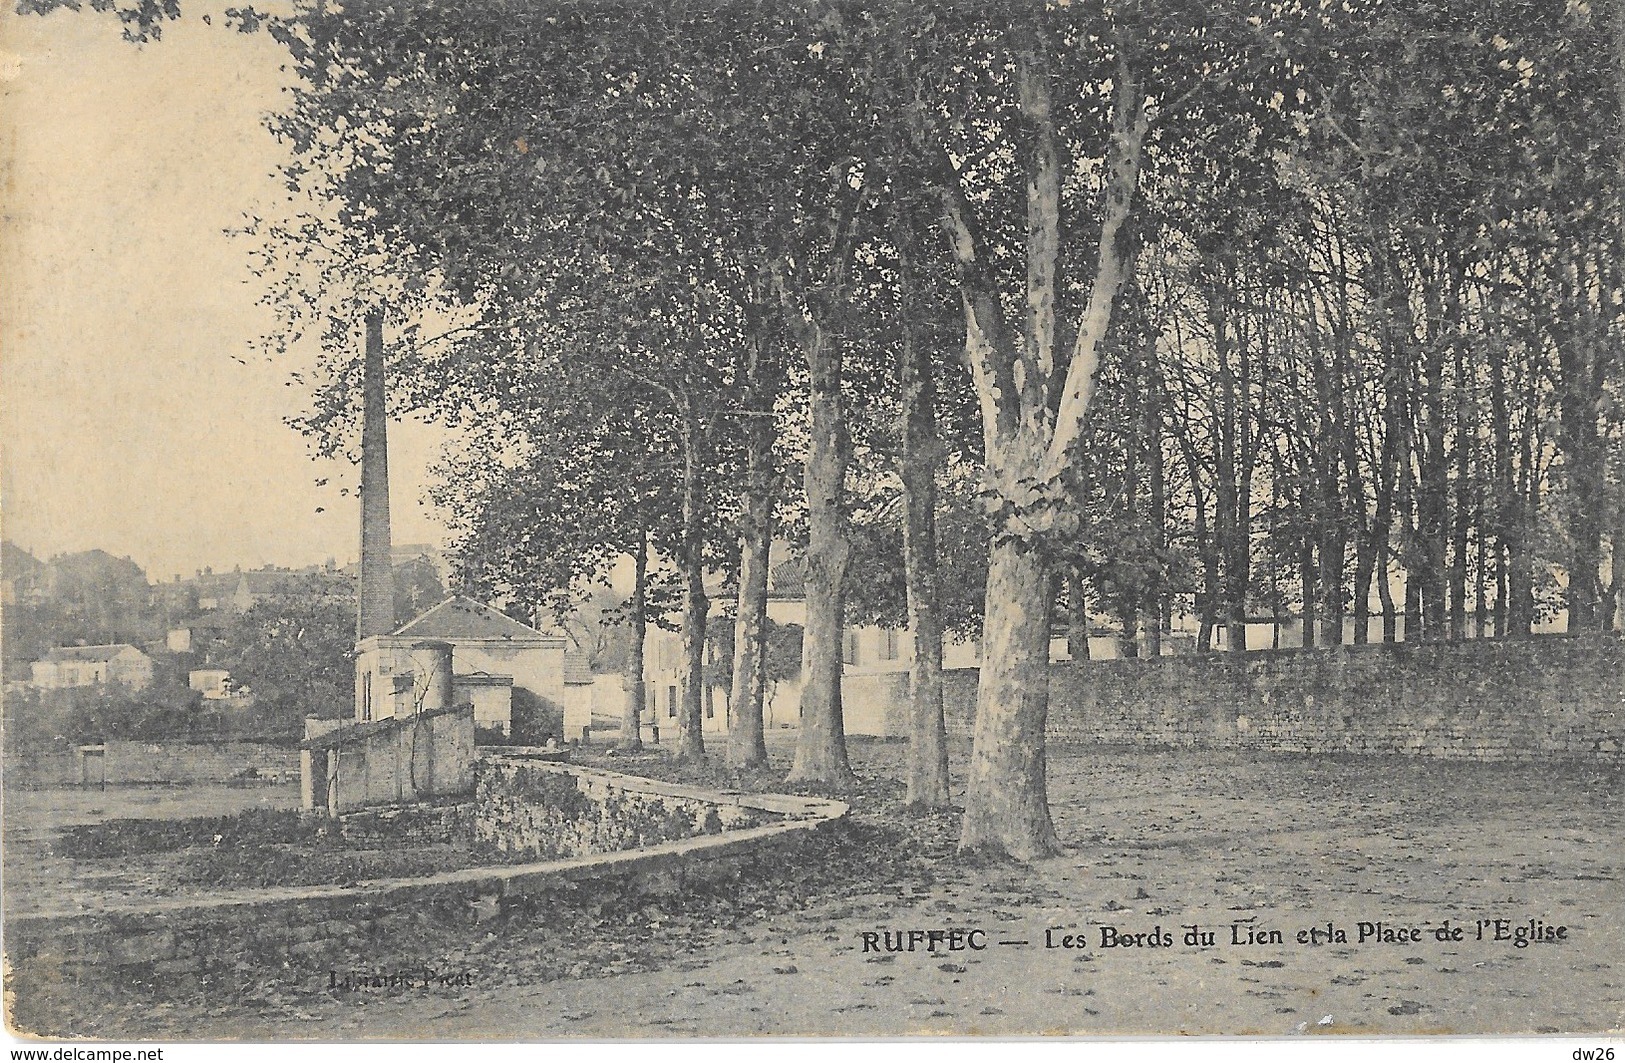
{"type": "Point", "coordinates": [1266, 844]}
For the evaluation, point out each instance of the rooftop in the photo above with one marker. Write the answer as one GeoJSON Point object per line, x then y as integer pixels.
{"type": "Point", "coordinates": [577, 669]}
{"type": "Point", "coordinates": [463, 618]}
{"type": "Point", "coordinates": [88, 653]}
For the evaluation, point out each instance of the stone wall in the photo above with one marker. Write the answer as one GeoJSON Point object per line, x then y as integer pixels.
{"type": "Point", "coordinates": [41, 769]}
{"type": "Point", "coordinates": [1550, 697]}
{"type": "Point", "coordinates": [126, 763]}
{"type": "Point", "coordinates": [389, 762]}
{"type": "Point", "coordinates": [551, 810]}
{"type": "Point", "coordinates": [411, 825]}
{"type": "Point", "coordinates": [875, 703]}
{"type": "Point", "coordinates": [323, 932]}
{"type": "Point", "coordinates": [318, 933]}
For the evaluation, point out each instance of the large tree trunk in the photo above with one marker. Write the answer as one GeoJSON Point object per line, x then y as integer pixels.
{"type": "Point", "coordinates": [1331, 547]}
{"type": "Point", "coordinates": [1365, 547]}
{"type": "Point", "coordinates": [1502, 592]}
{"type": "Point", "coordinates": [1156, 623]}
{"type": "Point", "coordinates": [1462, 499]}
{"type": "Point", "coordinates": [1364, 566]}
{"type": "Point", "coordinates": [1432, 509]}
{"type": "Point", "coordinates": [1385, 593]}
{"type": "Point", "coordinates": [1077, 615]}
{"type": "Point", "coordinates": [1232, 477]}
{"type": "Point", "coordinates": [1580, 397]}
{"type": "Point", "coordinates": [1617, 584]}
{"type": "Point", "coordinates": [1207, 599]}
{"type": "Point", "coordinates": [1381, 532]}
{"type": "Point", "coordinates": [1410, 555]}
{"type": "Point", "coordinates": [1128, 630]}
{"type": "Point", "coordinates": [1011, 812]}
{"type": "Point", "coordinates": [1501, 475]}
{"type": "Point", "coordinates": [747, 745]}
{"type": "Point", "coordinates": [1397, 328]}
{"type": "Point", "coordinates": [1433, 479]}
{"type": "Point", "coordinates": [1019, 382]}
{"type": "Point", "coordinates": [1330, 577]}
{"type": "Point", "coordinates": [1358, 505]}
{"type": "Point", "coordinates": [691, 678]}
{"type": "Point", "coordinates": [1520, 585]}
{"type": "Point", "coordinates": [696, 606]}
{"type": "Point", "coordinates": [821, 750]}
{"type": "Point", "coordinates": [927, 769]}
{"type": "Point", "coordinates": [636, 690]}
{"type": "Point", "coordinates": [1524, 506]}
{"type": "Point", "coordinates": [1481, 595]}
{"type": "Point", "coordinates": [1306, 576]}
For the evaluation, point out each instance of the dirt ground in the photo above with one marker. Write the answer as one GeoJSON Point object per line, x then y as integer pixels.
{"type": "Point", "coordinates": [35, 876]}
{"type": "Point", "coordinates": [30, 810]}
{"type": "Point", "coordinates": [1244, 847]}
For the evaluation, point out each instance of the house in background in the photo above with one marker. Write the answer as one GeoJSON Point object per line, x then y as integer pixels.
{"type": "Point", "coordinates": [197, 635]}
{"type": "Point", "coordinates": [85, 666]}
{"type": "Point", "coordinates": [492, 656]}
{"type": "Point", "coordinates": [586, 694]}
{"type": "Point", "coordinates": [213, 683]}
{"type": "Point", "coordinates": [875, 662]}
{"type": "Point", "coordinates": [662, 678]}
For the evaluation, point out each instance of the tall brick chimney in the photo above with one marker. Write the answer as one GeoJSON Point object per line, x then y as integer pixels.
{"type": "Point", "coordinates": [376, 612]}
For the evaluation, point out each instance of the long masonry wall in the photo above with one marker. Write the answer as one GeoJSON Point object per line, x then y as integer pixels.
{"type": "Point", "coordinates": [1546, 698]}
{"type": "Point", "coordinates": [125, 762]}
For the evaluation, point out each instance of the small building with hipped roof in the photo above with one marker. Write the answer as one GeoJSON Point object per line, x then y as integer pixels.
{"type": "Point", "coordinates": [489, 657]}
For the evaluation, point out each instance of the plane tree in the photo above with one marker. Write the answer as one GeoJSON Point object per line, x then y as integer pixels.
{"type": "Point", "coordinates": [1039, 124]}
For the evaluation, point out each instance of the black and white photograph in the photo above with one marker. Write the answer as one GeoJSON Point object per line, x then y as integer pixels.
{"type": "Point", "coordinates": [694, 520]}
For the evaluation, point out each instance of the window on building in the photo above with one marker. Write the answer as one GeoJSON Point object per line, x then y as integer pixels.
{"type": "Point", "coordinates": [849, 647]}
{"type": "Point", "coordinates": [710, 701]}
{"type": "Point", "coordinates": [366, 697]}
{"type": "Point", "coordinates": [671, 701]}
{"type": "Point", "coordinates": [889, 644]}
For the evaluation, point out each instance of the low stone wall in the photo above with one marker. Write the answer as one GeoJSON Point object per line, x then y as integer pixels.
{"type": "Point", "coordinates": [390, 761]}
{"type": "Point", "coordinates": [410, 825]}
{"type": "Point", "coordinates": [323, 928]}
{"type": "Point", "coordinates": [558, 810]}
{"type": "Point", "coordinates": [41, 769]}
{"type": "Point", "coordinates": [128, 763]}
{"type": "Point", "coordinates": [1544, 698]}
{"type": "Point", "coordinates": [317, 929]}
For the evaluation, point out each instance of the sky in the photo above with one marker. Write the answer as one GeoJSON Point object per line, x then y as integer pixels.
{"type": "Point", "coordinates": [129, 420]}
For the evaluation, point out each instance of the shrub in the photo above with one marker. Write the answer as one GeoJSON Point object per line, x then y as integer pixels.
{"type": "Point", "coordinates": [491, 736]}
{"type": "Point", "coordinates": [535, 719]}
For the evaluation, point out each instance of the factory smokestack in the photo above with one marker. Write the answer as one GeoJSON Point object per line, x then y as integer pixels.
{"type": "Point", "coordinates": [376, 613]}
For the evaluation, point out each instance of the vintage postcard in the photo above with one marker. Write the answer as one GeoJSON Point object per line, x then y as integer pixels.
{"type": "Point", "coordinates": [628, 519]}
